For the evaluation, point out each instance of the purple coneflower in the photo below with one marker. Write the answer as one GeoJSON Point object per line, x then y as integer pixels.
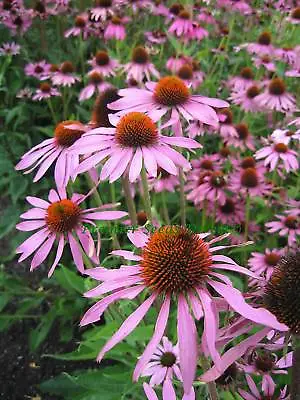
{"type": "Point", "coordinates": [169, 94]}
{"type": "Point", "coordinates": [65, 76]}
{"type": "Point", "coordinates": [156, 37]}
{"type": "Point", "coordinates": [275, 97]}
{"type": "Point", "coordinates": [103, 64]}
{"type": "Point", "coordinates": [10, 49]}
{"type": "Point", "coordinates": [246, 99]}
{"type": "Point", "coordinates": [174, 63]}
{"type": "Point", "coordinates": [115, 28]}
{"type": "Point", "coordinates": [265, 61]}
{"type": "Point", "coordinates": [177, 265]}
{"type": "Point", "coordinates": [226, 128]}
{"type": "Point", "coordinates": [244, 140]}
{"type": "Point", "coordinates": [43, 155]}
{"type": "Point", "coordinates": [95, 84]}
{"type": "Point", "coordinates": [45, 91]}
{"type": "Point", "coordinates": [243, 81]}
{"type": "Point", "coordinates": [263, 264]}
{"type": "Point", "coordinates": [140, 66]}
{"type": "Point", "coordinates": [80, 27]}
{"type": "Point", "coordinates": [60, 220]}
{"type": "Point", "coordinates": [183, 25]}
{"type": "Point", "coordinates": [249, 181]}
{"type": "Point", "coordinates": [164, 182]}
{"type": "Point", "coordinates": [287, 225]}
{"type": "Point", "coordinates": [263, 47]}
{"type": "Point", "coordinates": [294, 16]}
{"type": "Point", "coordinates": [102, 9]}
{"type": "Point", "coordinates": [268, 390]}
{"type": "Point", "coordinates": [133, 141]}
{"type": "Point", "coordinates": [39, 70]}
{"type": "Point", "coordinates": [276, 153]}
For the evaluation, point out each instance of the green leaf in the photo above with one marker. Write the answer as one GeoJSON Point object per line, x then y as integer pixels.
{"type": "Point", "coordinates": [69, 280]}
{"type": "Point", "coordinates": [39, 334]}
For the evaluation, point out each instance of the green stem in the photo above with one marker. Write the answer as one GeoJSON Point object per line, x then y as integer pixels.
{"type": "Point", "coordinates": [203, 216]}
{"type": "Point", "coordinates": [146, 194]}
{"type": "Point", "coordinates": [212, 388]}
{"type": "Point", "coordinates": [182, 198]}
{"type": "Point", "coordinates": [65, 103]}
{"type": "Point", "coordinates": [129, 200]}
{"type": "Point", "coordinates": [295, 384]}
{"type": "Point", "coordinates": [51, 110]}
{"type": "Point", "coordinates": [165, 208]}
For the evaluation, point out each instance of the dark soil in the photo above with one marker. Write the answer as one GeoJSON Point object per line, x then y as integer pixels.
{"type": "Point", "coordinates": [21, 371]}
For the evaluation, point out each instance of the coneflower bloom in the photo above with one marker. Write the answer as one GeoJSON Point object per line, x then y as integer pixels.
{"type": "Point", "coordinates": [45, 91]}
{"type": "Point", "coordinates": [133, 141]}
{"type": "Point", "coordinates": [103, 64]}
{"type": "Point", "coordinates": [10, 49]}
{"type": "Point", "coordinates": [183, 25]}
{"type": "Point", "coordinates": [96, 84]}
{"type": "Point", "coordinates": [285, 136]}
{"type": "Point", "coordinates": [175, 62]}
{"type": "Point", "coordinates": [177, 265]}
{"type": "Point", "coordinates": [246, 99]}
{"type": "Point", "coordinates": [277, 153]}
{"type": "Point", "coordinates": [249, 181]}
{"type": "Point", "coordinates": [282, 294]}
{"type": "Point", "coordinates": [243, 81]}
{"type": "Point", "coordinates": [80, 27]}
{"type": "Point", "coordinates": [286, 226]}
{"type": "Point", "coordinates": [156, 37]}
{"type": "Point", "coordinates": [164, 181]}
{"type": "Point", "coordinates": [197, 128]}
{"type": "Point", "coordinates": [198, 32]}
{"type": "Point", "coordinates": [163, 364]}
{"type": "Point", "coordinates": [268, 390]}
{"type": "Point", "coordinates": [65, 76]}
{"type": "Point", "coordinates": [211, 187]}
{"type": "Point", "coordinates": [56, 149]}
{"type": "Point", "coordinates": [115, 28]}
{"type": "Point", "coordinates": [169, 94]}
{"type": "Point", "coordinates": [60, 219]}
{"type": "Point", "coordinates": [39, 70]}
{"type": "Point", "coordinates": [275, 97]}
{"type": "Point", "coordinates": [226, 128]}
{"type": "Point", "coordinates": [243, 140]}
{"type": "Point", "coordinates": [190, 76]}
{"type": "Point", "coordinates": [140, 66]}
{"type": "Point", "coordinates": [263, 264]}
{"type": "Point", "coordinates": [229, 213]}
{"type": "Point", "coordinates": [294, 16]}
{"type": "Point", "coordinates": [266, 62]}
{"type": "Point", "coordinates": [102, 10]}
{"type": "Point", "coordinates": [263, 47]}
{"type": "Point", "coordinates": [286, 54]}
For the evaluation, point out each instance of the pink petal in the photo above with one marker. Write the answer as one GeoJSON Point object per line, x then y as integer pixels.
{"type": "Point", "coordinates": [187, 342]}
{"type": "Point", "coordinates": [168, 390]}
{"type": "Point", "coordinates": [210, 324]}
{"type": "Point", "coordinates": [37, 202]}
{"type": "Point", "coordinates": [151, 395]}
{"type": "Point", "coordinates": [30, 225]}
{"type": "Point", "coordinates": [76, 253]}
{"type": "Point", "coordinates": [136, 165]}
{"type": "Point", "coordinates": [128, 326]}
{"type": "Point", "coordinates": [95, 312]}
{"type": "Point", "coordinates": [42, 252]}
{"type": "Point", "coordinates": [32, 243]}
{"type": "Point", "coordinates": [236, 301]}
{"type": "Point", "coordinates": [128, 255]}
{"type": "Point", "coordinates": [59, 252]}
{"type": "Point", "coordinates": [159, 330]}
{"type": "Point", "coordinates": [138, 238]}
{"type": "Point", "coordinates": [232, 355]}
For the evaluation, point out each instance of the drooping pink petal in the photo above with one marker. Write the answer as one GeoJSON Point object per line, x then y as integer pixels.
{"type": "Point", "coordinates": [232, 355]}
{"type": "Point", "coordinates": [187, 343]}
{"type": "Point", "coordinates": [76, 253]}
{"type": "Point", "coordinates": [128, 255]}
{"type": "Point", "coordinates": [136, 165]}
{"type": "Point", "coordinates": [138, 238]}
{"type": "Point", "coordinates": [210, 324]}
{"type": "Point", "coordinates": [149, 392]}
{"type": "Point", "coordinates": [112, 285]}
{"type": "Point", "coordinates": [95, 312]}
{"type": "Point", "coordinates": [37, 202]}
{"type": "Point", "coordinates": [168, 390]}
{"type": "Point", "coordinates": [30, 225]}
{"type": "Point", "coordinates": [159, 330]}
{"type": "Point", "coordinates": [128, 326]}
{"type": "Point", "coordinates": [237, 302]}
{"type": "Point", "coordinates": [105, 215]}
{"type": "Point", "coordinates": [32, 243]}
{"type": "Point", "coordinates": [42, 252]}
{"type": "Point", "coordinates": [59, 252]}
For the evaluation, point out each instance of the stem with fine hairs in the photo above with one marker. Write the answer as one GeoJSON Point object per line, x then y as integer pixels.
{"type": "Point", "coordinates": [146, 194]}
{"type": "Point", "coordinates": [165, 208]}
{"type": "Point", "coordinates": [182, 198]}
{"type": "Point", "coordinates": [212, 388]}
{"type": "Point", "coordinates": [295, 384]}
{"type": "Point", "coordinates": [129, 200]}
